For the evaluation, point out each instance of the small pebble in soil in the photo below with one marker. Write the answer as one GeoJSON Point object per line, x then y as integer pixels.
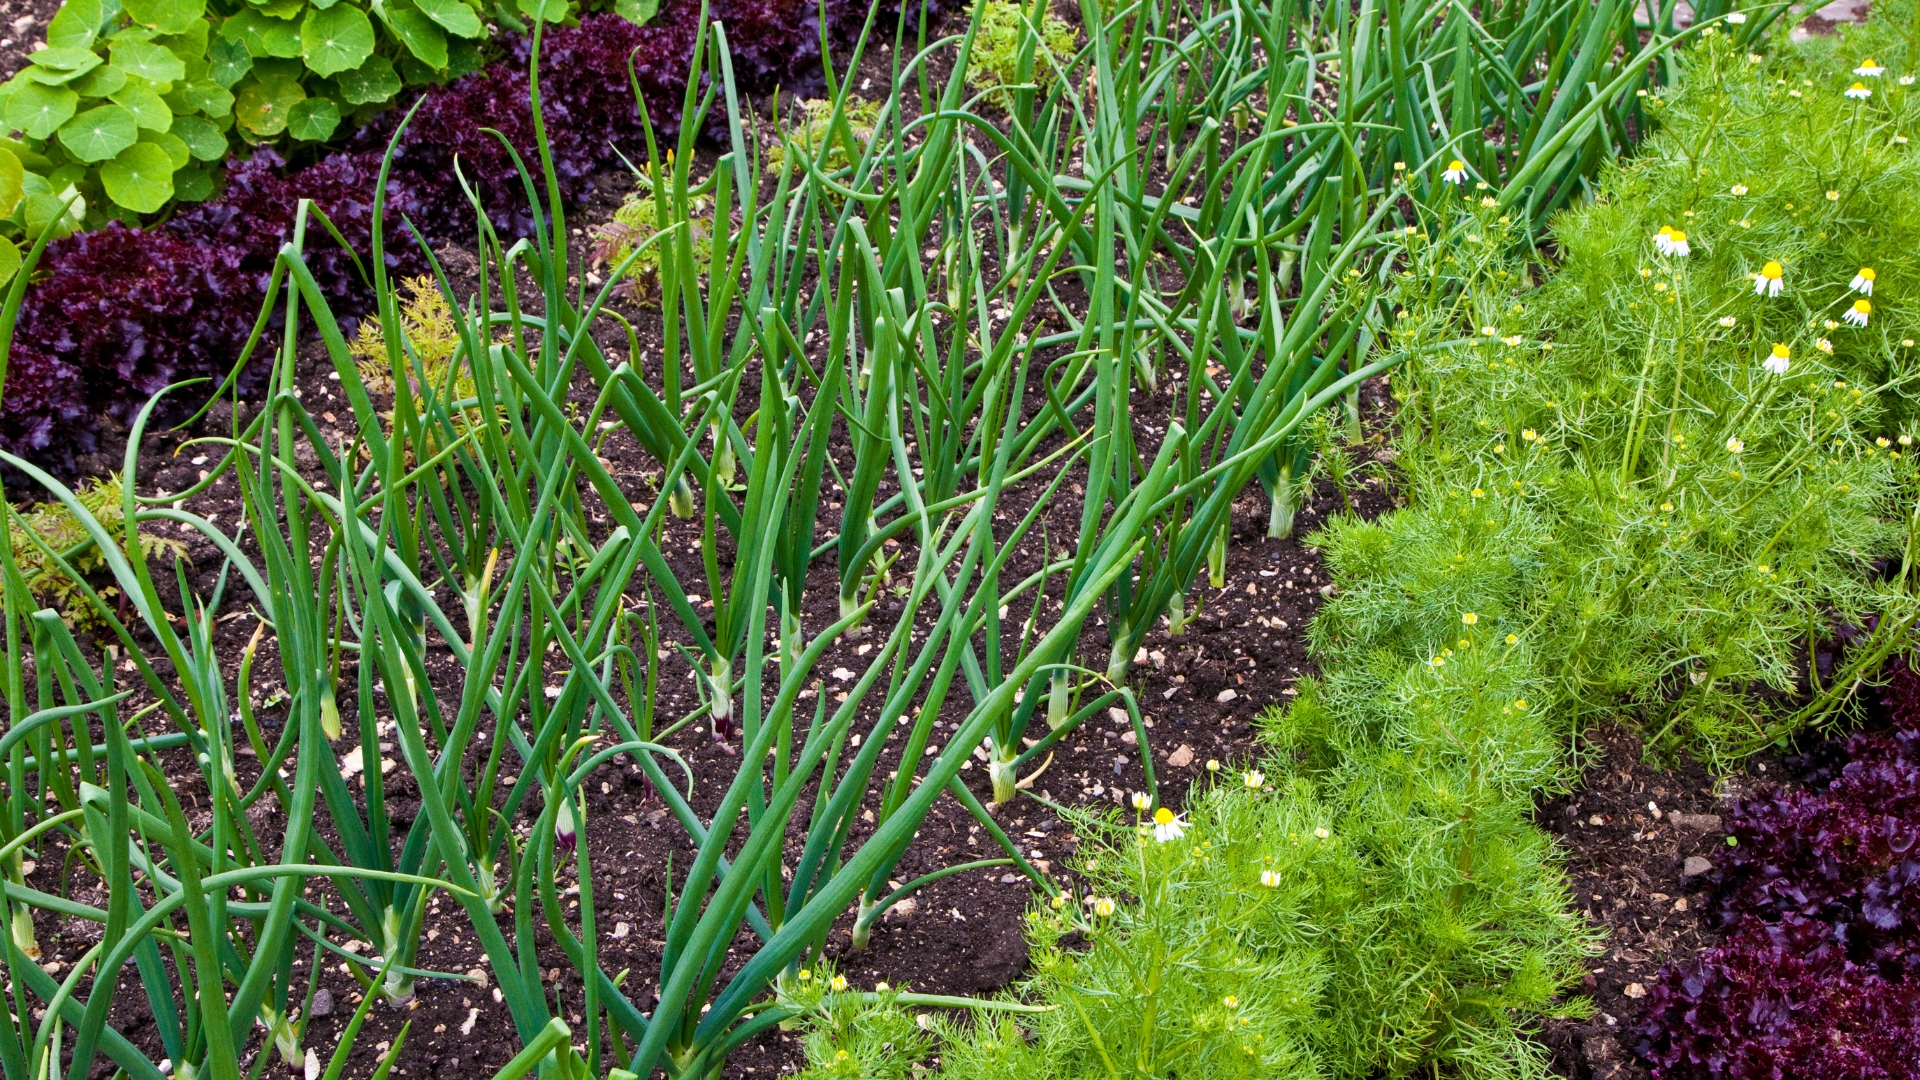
{"type": "Point", "coordinates": [1695, 866]}
{"type": "Point", "coordinates": [322, 1003]}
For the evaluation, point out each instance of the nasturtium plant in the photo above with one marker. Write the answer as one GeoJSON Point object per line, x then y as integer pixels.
{"type": "Point", "coordinates": [134, 104]}
{"type": "Point", "coordinates": [102, 120]}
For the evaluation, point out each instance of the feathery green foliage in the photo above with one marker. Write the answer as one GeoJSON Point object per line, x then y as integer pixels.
{"type": "Point", "coordinates": [1671, 486]}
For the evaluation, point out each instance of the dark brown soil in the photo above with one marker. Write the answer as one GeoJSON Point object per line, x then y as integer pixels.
{"type": "Point", "coordinates": [1627, 866]}
{"type": "Point", "coordinates": [23, 24]}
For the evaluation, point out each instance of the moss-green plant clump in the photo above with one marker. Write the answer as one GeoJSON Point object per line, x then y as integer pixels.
{"type": "Point", "coordinates": [1370, 901]}
{"type": "Point", "coordinates": [1684, 462]}
{"type": "Point", "coordinates": [1007, 52]}
{"type": "Point", "coordinates": [49, 534]}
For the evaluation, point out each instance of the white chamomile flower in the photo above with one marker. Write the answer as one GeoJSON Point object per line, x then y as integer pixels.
{"type": "Point", "coordinates": [1678, 242]}
{"type": "Point", "coordinates": [1739, 190]}
{"type": "Point", "coordinates": [1735, 446]}
{"type": "Point", "coordinates": [1736, 17]}
{"type": "Point", "coordinates": [1778, 362]}
{"type": "Point", "coordinates": [1728, 321]}
{"type": "Point", "coordinates": [1859, 92]}
{"type": "Point", "coordinates": [1141, 800]}
{"type": "Point", "coordinates": [1270, 878]}
{"type": "Point", "coordinates": [1870, 68]}
{"type": "Point", "coordinates": [1456, 172]}
{"type": "Point", "coordinates": [1862, 282]}
{"type": "Point", "coordinates": [1823, 345]}
{"type": "Point", "coordinates": [1663, 240]}
{"type": "Point", "coordinates": [1768, 282]}
{"type": "Point", "coordinates": [1167, 825]}
{"type": "Point", "coordinates": [1255, 779]}
{"type": "Point", "coordinates": [1104, 907]}
{"type": "Point", "coordinates": [1857, 314]}
{"type": "Point", "coordinates": [1906, 80]}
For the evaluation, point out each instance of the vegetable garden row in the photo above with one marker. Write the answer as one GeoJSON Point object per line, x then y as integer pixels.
{"type": "Point", "coordinates": [549, 540]}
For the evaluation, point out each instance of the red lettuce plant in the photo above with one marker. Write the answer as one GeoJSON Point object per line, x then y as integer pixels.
{"type": "Point", "coordinates": [1819, 975]}
{"type": "Point", "coordinates": [119, 313]}
{"type": "Point", "coordinates": [1781, 999]}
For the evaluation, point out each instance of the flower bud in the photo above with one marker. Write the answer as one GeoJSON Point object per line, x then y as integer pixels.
{"type": "Point", "coordinates": [565, 832]}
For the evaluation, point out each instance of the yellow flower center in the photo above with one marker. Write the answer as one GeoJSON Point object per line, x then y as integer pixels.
{"type": "Point", "coordinates": [1862, 306]}
{"type": "Point", "coordinates": [1866, 273]}
{"type": "Point", "coordinates": [1781, 351]}
{"type": "Point", "coordinates": [1456, 165]}
{"type": "Point", "coordinates": [1163, 816]}
{"type": "Point", "coordinates": [1772, 270]}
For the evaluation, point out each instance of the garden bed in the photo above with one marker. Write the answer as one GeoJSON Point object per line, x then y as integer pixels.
{"type": "Point", "coordinates": [963, 935]}
{"type": "Point", "coordinates": [1631, 833]}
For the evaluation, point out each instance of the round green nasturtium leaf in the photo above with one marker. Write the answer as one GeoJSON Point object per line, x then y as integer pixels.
{"type": "Point", "coordinates": [149, 111]}
{"type": "Point", "coordinates": [195, 58]}
{"type": "Point", "coordinates": [290, 10]}
{"type": "Point", "coordinates": [193, 184]}
{"type": "Point", "coordinates": [262, 34]}
{"type": "Point", "coordinates": [177, 154]}
{"type": "Point", "coordinates": [371, 83]}
{"type": "Point", "coordinates": [139, 178]}
{"type": "Point", "coordinates": [102, 81]}
{"type": "Point", "coordinates": [552, 11]}
{"type": "Point", "coordinates": [421, 35]}
{"type": "Point", "coordinates": [40, 110]}
{"type": "Point", "coordinates": [314, 120]}
{"type": "Point", "coordinates": [40, 212]}
{"type": "Point", "coordinates": [13, 177]}
{"type": "Point", "coordinates": [637, 12]}
{"type": "Point", "coordinates": [147, 60]}
{"type": "Point", "coordinates": [209, 97]}
{"type": "Point", "coordinates": [453, 15]}
{"type": "Point", "coordinates": [75, 25]}
{"type": "Point", "coordinates": [417, 72]}
{"type": "Point", "coordinates": [76, 60]}
{"type": "Point", "coordinates": [166, 16]}
{"type": "Point", "coordinates": [463, 57]}
{"type": "Point", "coordinates": [29, 157]}
{"type": "Point", "coordinates": [338, 39]}
{"type": "Point", "coordinates": [264, 106]}
{"type": "Point", "coordinates": [230, 61]}
{"type": "Point", "coordinates": [203, 140]}
{"type": "Point", "coordinates": [51, 76]}
{"type": "Point", "coordinates": [99, 133]}
{"type": "Point", "coordinates": [9, 261]}
{"type": "Point", "coordinates": [66, 176]}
